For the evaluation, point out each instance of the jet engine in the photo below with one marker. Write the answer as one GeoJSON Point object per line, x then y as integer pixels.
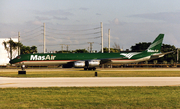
{"type": "Point", "coordinates": [93, 63]}
{"type": "Point", "coordinates": [79, 64]}
{"type": "Point", "coordinates": [87, 64]}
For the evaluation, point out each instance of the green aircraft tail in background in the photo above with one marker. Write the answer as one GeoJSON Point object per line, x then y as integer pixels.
{"type": "Point", "coordinates": [156, 45]}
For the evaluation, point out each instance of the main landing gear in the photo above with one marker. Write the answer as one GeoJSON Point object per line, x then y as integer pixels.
{"type": "Point", "coordinates": [93, 68]}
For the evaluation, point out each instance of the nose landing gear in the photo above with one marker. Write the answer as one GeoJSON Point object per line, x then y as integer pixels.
{"type": "Point", "coordinates": [23, 67]}
{"type": "Point", "coordinates": [23, 70]}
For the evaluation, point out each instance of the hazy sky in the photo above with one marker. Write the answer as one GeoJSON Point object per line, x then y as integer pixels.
{"type": "Point", "coordinates": [76, 22]}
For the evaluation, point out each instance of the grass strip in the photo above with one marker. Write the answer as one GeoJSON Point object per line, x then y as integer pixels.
{"type": "Point", "coordinates": [92, 74]}
{"type": "Point", "coordinates": [90, 97]}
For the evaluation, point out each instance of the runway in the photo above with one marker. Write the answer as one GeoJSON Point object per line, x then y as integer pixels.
{"type": "Point", "coordinates": [7, 82]}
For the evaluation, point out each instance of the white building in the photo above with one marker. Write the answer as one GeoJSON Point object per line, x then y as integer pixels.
{"type": "Point", "coordinates": [4, 55]}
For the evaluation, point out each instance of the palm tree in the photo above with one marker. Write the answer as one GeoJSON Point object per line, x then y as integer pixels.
{"type": "Point", "coordinates": [10, 46]}
{"type": "Point", "coordinates": [33, 49]}
{"type": "Point", "coordinates": [28, 49]}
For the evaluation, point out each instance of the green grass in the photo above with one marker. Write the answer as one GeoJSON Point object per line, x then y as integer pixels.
{"type": "Point", "coordinates": [82, 73]}
{"type": "Point", "coordinates": [92, 98]}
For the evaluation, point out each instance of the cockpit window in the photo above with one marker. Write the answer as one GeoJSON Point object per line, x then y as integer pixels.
{"type": "Point", "coordinates": [18, 57]}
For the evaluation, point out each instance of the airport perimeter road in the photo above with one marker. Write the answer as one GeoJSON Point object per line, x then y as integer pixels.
{"type": "Point", "coordinates": [89, 82]}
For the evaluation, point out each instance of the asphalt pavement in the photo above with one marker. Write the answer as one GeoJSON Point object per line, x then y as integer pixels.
{"type": "Point", "coordinates": [88, 81]}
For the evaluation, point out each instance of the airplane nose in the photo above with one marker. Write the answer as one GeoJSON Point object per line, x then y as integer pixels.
{"type": "Point", "coordinates": [10, 61]}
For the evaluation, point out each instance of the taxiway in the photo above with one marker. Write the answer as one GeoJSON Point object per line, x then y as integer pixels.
{"type": "Point", "coordinates": [88, 81]}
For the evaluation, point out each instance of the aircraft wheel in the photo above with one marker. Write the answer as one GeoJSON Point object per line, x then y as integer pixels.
{"type": "Point", "coordinates": [85, 68]}
{"type": "Point", "coordinates": [94, 68]}
{"type": "Point", "coordinates": [89, 68]}
{"type": "Point", "coordinates": [23, 67]}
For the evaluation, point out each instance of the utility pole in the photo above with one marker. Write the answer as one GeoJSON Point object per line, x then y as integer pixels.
{"type": "Point", "coordinates": [109, 44]}
{"type": "Point", "coordinates": [44, 47]}
{"type": "Point", "coordinates": [90, 46]}
{"type": "Point", "coordinates": [109, 40]}
{"type": "Point", "coordinates": [102, 38]}
{"type": "Point", "coordinates": [177, 55]}
{"type": "Point", "coordinates": [62, 46]}
{"type": "Point", "coordinates": [67, 47]}
{"type": "Point", "coordinates": [19, 52]}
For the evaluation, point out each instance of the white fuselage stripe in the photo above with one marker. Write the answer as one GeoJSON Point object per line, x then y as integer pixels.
{"type": "Point", "coordinates": [120, 61]}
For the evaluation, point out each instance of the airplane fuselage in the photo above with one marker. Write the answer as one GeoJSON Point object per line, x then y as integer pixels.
{"type": "Point", "coordinates": [64, 58]}
{"type": "Point", "coordinates": [92, 60]}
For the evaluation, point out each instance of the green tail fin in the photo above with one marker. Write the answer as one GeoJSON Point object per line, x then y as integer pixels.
{"type": "Point", "coordinates": [156, 45]}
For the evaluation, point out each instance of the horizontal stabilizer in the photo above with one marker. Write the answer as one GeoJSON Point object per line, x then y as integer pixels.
{"type": "Point", "coordinates": [155, 56]}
